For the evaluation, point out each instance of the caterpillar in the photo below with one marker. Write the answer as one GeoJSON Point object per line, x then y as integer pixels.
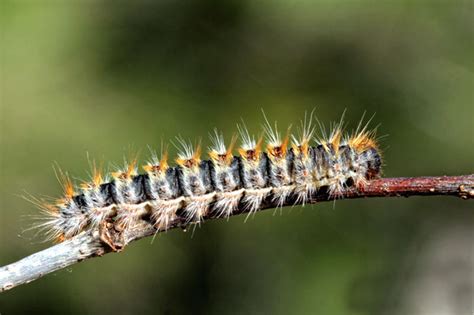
{"type": "Point", "coordinates": [285, 166]}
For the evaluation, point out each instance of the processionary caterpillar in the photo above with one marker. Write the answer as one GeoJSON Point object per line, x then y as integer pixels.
{"type": "Point", "coordinates": [287, 165]}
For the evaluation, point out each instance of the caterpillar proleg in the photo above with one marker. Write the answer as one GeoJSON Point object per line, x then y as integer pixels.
{"type": "Point", "coordinates": [298, 165]}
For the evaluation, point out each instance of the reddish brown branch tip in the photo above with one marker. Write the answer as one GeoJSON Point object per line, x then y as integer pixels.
{"type": "Point", "coordinates": [461, 186]}
{"type": "Point", "coordinates": [89, 244]}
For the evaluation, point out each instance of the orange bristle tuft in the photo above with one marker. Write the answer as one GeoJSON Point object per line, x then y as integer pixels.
{"type": "Point", "coordinates": [190, 157]}
{"type": "Point", "coordinates": [48, 207]}
{"type": "Point", "coordinates": [197, 153]}
{"type": "Point", "coordinates": [117, 175]}
{"type": "Point", "coordinates": [279, 151]}
{"type": "Point", "coordinates": [60, 238]}
{"type": "Point", "coordinates": [335, 140]}
{"type": "Point", "coordinates": [284, 145]}
{"type": "Point", "coordinates": [363, 141]}
{"type": "Point", "coordinates": [232, 143]}
{"type": "Point", "coordinates": [214, 155]}
{"type": "Point", "coordinates": [66, 183]}
{"type": "Point", "coordinates": [258, 147]}
{"type": "Point", "coordinates": [97, 178]}
{"type": "Point", "coordinates": [164, 161]}
{"type": "Point", "coordinates": [242, 152]}
{"type": "Point", "coordinates": [148, 168]}
{"type": "Point", "coordinates": [131, 169]}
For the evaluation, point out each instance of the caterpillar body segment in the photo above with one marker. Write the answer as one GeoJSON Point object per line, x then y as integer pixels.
{"type": "Point", "coordinates": [254, 177]}
{"type": "Point", "coordinates": [280, 163]}
{"type": "Point", "coordinates": [194, 181]}
{"type": "Point", "coordinates": [228, 186]}
{"type": "Point", "coordinates": [164, 192]}
{"type": "Point", "coordinates": [73, 218]}
{"type": "Point", "coordinates": [223, 184]}
{"type": "Point", "coordinates": [225, 175]}
{"type": "Point", "coordinates": [303, 162]}
{"type": "Point", "coordinates": [304, 174]}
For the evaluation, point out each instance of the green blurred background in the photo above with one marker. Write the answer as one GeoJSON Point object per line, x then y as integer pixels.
{"type": "Point", "coordinates": [109, 77]}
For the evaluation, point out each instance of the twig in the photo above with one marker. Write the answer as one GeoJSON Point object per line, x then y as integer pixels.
{"type": "Point", "coordinates": [89, 244]}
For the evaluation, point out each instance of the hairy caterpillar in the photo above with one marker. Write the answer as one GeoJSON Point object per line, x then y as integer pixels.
{"type": "Point", "coordinates": [286, 166]}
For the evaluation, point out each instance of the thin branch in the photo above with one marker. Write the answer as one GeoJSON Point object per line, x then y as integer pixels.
{"type": "Point", "coordinates": [90, 243]}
